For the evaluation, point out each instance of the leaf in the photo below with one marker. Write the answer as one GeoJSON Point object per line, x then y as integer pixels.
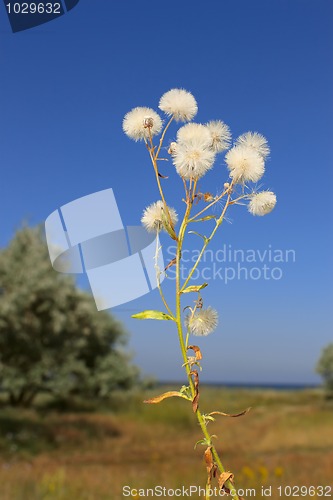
{"type": "Point", "coordinates": [201, 441]}
{"type": "Point", "coordinates": [162, 176]}
{"type": "Point", "coordinates": [208, 217]}
{"type": "Point", "coordinates": [230, 414]}
{"type": "Point", "coordinates": [186, 390]}
{"type": "Point", "coordinates": [170, 231]}
{"type": "Point", "coordinates": [194, 288]}
{"type": "Point", "coordinates": [208, 457]}
{"type": "Point", "coordinates": [208, 418]}
{"type": "Point", "coordinates": [197, 351]}
{"type": "Point", "coordinates": [206, 240]}
{"type": "Point", "coordinates": [166, 395]}
{"type": "Point", "coordinates": [152, 315]}
{"type": "Point", "coordinates": [211, 467]}
{"type": "Point", "coordinates": [223, 478]}
{"type": "Point", "coordinates": [195, 401]}
{"type": "Point", "coordinates": [166, 224]}
{"type": "Point", "coordinates": [171, 263]}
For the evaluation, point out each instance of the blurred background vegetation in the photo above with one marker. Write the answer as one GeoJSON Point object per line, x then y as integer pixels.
{"type": "Point", "coordinates": [52, 338]}
{"type": "Point", "coordinates": [72, 420]}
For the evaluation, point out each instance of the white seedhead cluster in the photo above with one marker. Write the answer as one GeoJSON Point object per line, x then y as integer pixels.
{"type": "Point", "coordinates": [193, 150]}
{"type": "Point", "coordinates": [196, 146]}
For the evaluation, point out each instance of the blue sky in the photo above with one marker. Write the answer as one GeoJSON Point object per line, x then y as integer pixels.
{"type": "Point", "coordinates": [264, 66]}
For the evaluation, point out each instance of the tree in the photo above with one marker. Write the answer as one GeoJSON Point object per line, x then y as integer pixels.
{"type": "Point", "coordinates": [52, 338]}
{"type": "Point", "coordinates": [325, 367]}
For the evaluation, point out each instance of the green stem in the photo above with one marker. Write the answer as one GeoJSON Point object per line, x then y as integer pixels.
{"type": "Point", "coordinates": [178, 319]}
{"type": "Point", "coordinates": [154, 159]}
{"type": "Point", "coordinates": [158, 272]}
{"type": "Point", "coordinates": [207, 241]}
{"type": "Point", "coordinates": [217, 199]}
{"type": "Point", "coordinates": [200, 418]}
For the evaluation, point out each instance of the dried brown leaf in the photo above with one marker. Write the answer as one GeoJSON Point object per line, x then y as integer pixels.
{"type": "Point", "coordinates": [163, 176]}
{"type": "Point", "coordinates": [233, 415]}
{"type": "Point", "coordinates": [223, 478]}
{"type": "Point", "coordinates": [195, 402]}
{"type": "Point", "coordinates": [171, 263]}
{"type": "Point", "coordinates": [165, 395]}
{"type": "Point", "coordinates": [197, 351]}
{"type": "Point", "coordinates": [211, 467]}
{"type": "Point", "coordinates": [208, 457]}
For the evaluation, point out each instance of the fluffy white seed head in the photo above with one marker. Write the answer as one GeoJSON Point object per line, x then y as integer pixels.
{"type": "Point", "coordinates": [195, 134]}
{"type": "Point", "coordinates": [154, 217]}
{"type": "Point", "coordinates": [220, 135]}
{"type": "Point", "coordinates": [262, 203]}
{"type": "Point", "coordinates": [256, 141]}
{"type": "Point", "coordinates": [245, 164]}
{"type": "Point", "coordinates": [203, 322]}
{"type": "Point", "coordinates": [193, 156]}
{"type": "Point", "coordinates": [139, 121]}
{"type": "Point", "coordinates": [180, 104]}
{"type": "Point", "coordinates": [192, 161]}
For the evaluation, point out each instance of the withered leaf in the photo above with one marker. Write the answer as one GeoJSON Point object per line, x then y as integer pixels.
{"type": "Point", "coordinates": [208, 457]}
{"type": "Point", "coordinates": [233, 415]}
{"type": "Point", "coordinates": [163, 176]}
{"type": "Point", "coordinates": [195, 401]}
{"type": "Point", "coordinates": [171, 263]}
{"type": "Point", "coordinates": [165, 395]}
{"type": "Point", "coordinates": [197, 351]}
{"type": "Point", "coordinates": [211, 467]}
{"type": "Point", "coordinates": [224, 477]}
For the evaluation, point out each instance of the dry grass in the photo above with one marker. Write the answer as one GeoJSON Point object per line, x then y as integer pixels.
{"type": "Point", "coordinates": [287, 439]}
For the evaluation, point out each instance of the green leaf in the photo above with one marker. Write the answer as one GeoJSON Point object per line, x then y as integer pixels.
{"type": "Point", "coordinates": [208, 217]}
{"type": "Point", "coordinates": [203, 442]}
{"type": "Point", "coordinates": [194, 288]}
{"type": "Point", "coordinates": [170, 231]}
{"type": "Point", "coordinates": [152, 315]}
{"type": "Point", "coordinates": [167, 227]}
{"type": "Point", "coordinates": [206, 240]}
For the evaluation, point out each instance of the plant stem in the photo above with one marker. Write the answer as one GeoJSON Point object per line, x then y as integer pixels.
{"type": "Point", "coordinates": [162, 137]}
{"type": "Point", "coordinates": [158, 272]}
{"type": "Point", "coordinates": [200, 418]}
{"type": "Point", "coordinates": [217, 224]}
{"type": "Point", "coordinates": [154, 158]}
{"type": "Point", "coordinates": [218, 198]}
{"type": "Point", "coordinates": [178, 319]}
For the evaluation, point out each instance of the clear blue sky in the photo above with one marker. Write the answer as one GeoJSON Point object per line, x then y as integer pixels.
{"type": "Point", "coordinates": [258, 65]}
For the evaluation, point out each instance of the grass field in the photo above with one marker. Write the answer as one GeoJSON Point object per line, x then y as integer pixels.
{"type": "Point", "coordinates": [286, 440]}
